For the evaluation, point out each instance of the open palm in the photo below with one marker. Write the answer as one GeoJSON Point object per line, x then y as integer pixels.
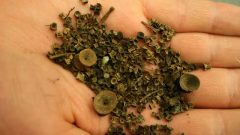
{"type": "Point", "coordinates": [38, 97]}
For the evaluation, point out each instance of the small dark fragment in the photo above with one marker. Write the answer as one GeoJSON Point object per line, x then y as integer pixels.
{"type": "Point", "coordinates": [96, 8]}
{"type": "Point", "coordinates": [53, 26]}
{"type": "Point", "coordinates": [140, 35]}
{"type": "Point", "coordinates": [84, 1]}
{"type": "Point", "coordinates": [206, 67]}
{"type": "Point", "coordinates": [153, 130]}
{"type": "Point", "coordinates": [104, 18]}
{"type": "Point", "coordinates": [115, 131]}
{"type": "Point", "coordinates": [77, 14]}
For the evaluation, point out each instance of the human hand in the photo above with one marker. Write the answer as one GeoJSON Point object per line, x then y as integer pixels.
{"type": "Point", "coordinates": [40, 98]}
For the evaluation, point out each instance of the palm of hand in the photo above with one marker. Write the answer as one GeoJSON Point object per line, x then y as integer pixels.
{"type": "Point", "coordinates": [40, 98]}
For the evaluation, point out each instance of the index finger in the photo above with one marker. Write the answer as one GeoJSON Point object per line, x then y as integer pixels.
{"type": "Point", "coordinates": [196, 15]}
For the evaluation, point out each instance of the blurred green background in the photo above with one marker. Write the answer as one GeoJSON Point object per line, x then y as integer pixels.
{"type": "Point", "coordinates": [236, 2]}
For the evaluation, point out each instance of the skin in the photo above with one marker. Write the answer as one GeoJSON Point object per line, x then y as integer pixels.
{"type": "Point", "coordinates": [38, 97]}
